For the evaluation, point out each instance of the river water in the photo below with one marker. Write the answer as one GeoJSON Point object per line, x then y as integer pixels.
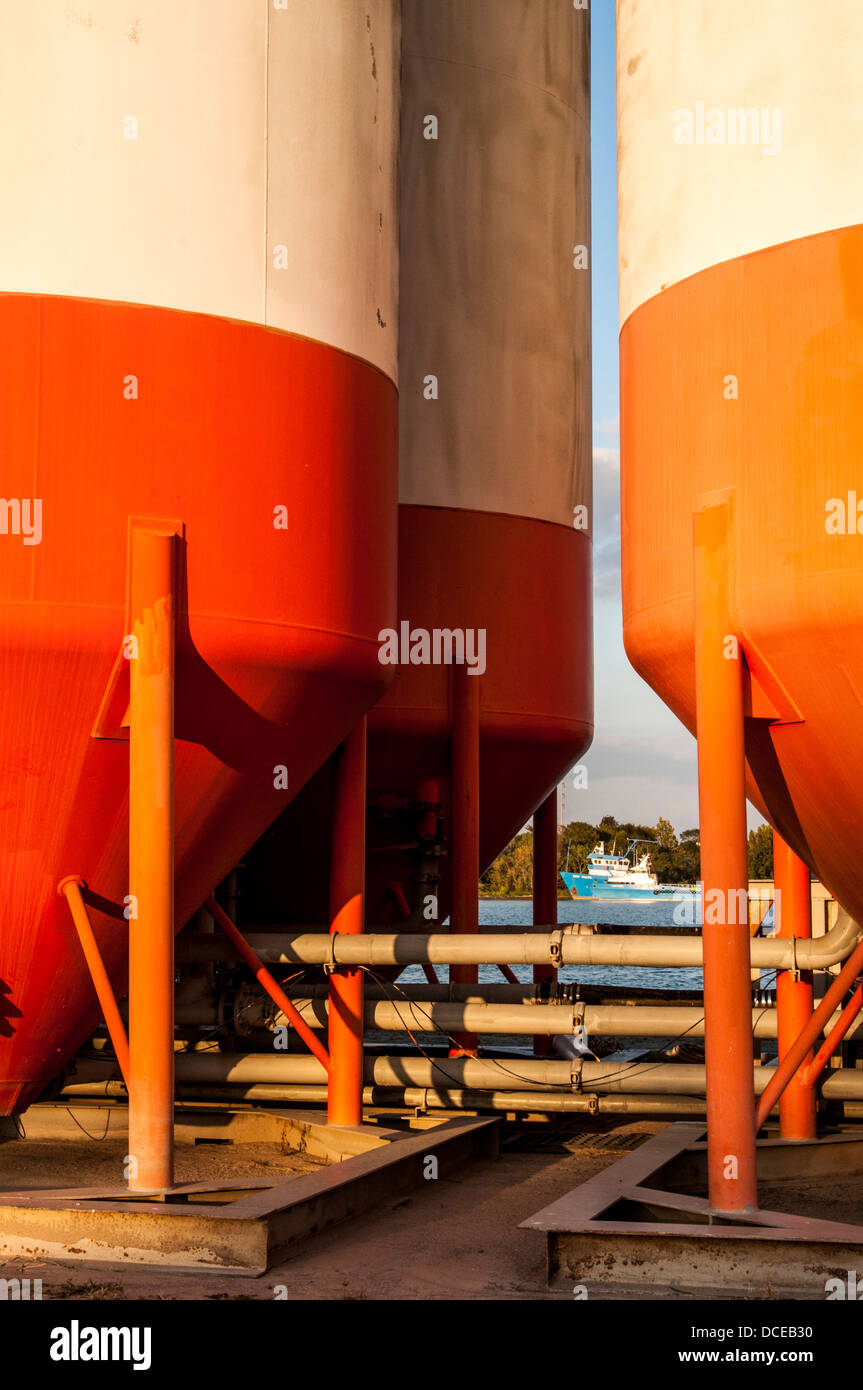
{"type": "Point", "coordinates": [519, 912]}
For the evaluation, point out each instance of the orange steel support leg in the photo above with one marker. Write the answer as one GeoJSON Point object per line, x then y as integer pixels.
{"type": "Point", "coordinates": [70, 888]}
{"type": "Point", "coordinates": [266, 981]}
{"type": "Point", "coordinates": [834, 1037]}
{"type": "Point", "coordinates": [151, 860]}
{"type": "Point", "coordinates": [465, 825]}
{"type": "Point", "coordinates": [347, 899]}
{"type": "Point", "coordinates": [544, 890]}
{"type": "Point", "coordinates": [812, 1029]}
{"type": "Point", "coordinates": [793, 911]}
{"type": "Point", "coordinates": [429, 791]}
{"type": "Point", "coordinates": [724, 871]}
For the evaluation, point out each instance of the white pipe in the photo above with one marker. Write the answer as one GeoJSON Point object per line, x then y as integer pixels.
{"type": "Point", "coordinates": [598, 1020]}
{"type": "Point", "coordinates": [459, 1073]}
{"type": "Point", "coordinates": [573, 945]}
{"type": "Point", "coordinates": [426, 1098]}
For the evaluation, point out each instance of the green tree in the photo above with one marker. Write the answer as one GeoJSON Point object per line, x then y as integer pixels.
{"type": "Point", "coordinates": [674, 860]}
{"type": "Point", "coordinates": [760, 852]}
{"type": "Point", "coordinates": [665, 835]}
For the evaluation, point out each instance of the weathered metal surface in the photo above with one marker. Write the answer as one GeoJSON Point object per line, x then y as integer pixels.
{"type": "Point", "coordinates": [622, 1227]}
{"type": "Point", "coordinates": [829, 1156]}
{"type": "Point", "coordinates": [296, 1131]}
{"type": "Point", "coordinates": [682, 1259]}
{"type": "Point", "coordinates": [197, 1229]}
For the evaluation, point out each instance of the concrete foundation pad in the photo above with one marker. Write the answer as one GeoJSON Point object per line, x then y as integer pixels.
{"type": "Point", "coordinates": [239, 1227]}
{"type": "Point", "coordinates": [627, 1225]}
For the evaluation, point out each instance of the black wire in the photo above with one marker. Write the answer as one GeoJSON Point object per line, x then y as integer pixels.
{"type": "Point", "coordinates": [434, 1028]}
{"type": "Point", "coordinates": [767, 1007]}
{"type": "Point", "coordinates": [96, 1138]}
{"type": "Point", "coordinates": [549, 1085]}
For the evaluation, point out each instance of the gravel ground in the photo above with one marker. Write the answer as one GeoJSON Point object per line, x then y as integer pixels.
{"type": "Point", "coordinates": [456, 1238]}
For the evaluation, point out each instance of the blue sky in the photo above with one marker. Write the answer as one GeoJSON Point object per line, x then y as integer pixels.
{"type": "Point", "coordinates": [642, 763]}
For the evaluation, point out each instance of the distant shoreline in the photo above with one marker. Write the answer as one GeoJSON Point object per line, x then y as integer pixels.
{"type": "Point", "coordinates": [517, 897]}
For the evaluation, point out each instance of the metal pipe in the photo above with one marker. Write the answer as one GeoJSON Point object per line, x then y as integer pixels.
{"type": "Point", "coordinates": [420, 1098]}
{"type": "Point", "coordinates": [266, 981]}
{"type": "Point", "coordinates": [833, 1039]}
{"type": "Point", "coordinates": [70, 889]}
{"type": "Point", "coordinates": [520, 1015]}
{"type": "Point", "coordinates": [202, 1010]}
{"type": "Point", "coordinates": [793, 914]}
{"type": "Point", "coordinates": [641, 1021]}
{"type": "Point", "coordinates": [428, 791]}
{"type": "Point", "coordinates": [545, 855]}
{"type": "Point", "coordinates": [428, 1017]}
{"type": "Point", "coordinates": [619, 1078]}
{"type": "Point", "coordinates": [426, 874]}
{"type": "Point", "coordinates": [347, 904]}
{"type": "Point", "coordinates": [619, 996]}
{"type": "Point", "coordinates": [731, 1159]}
{"type": "Point", "coordinates": [571, 945]}
{"type": "Point", "coordinates": [755, 915]}
{"type": "Point", "coordinates": [845, 1083]}
{"type": "Point", "coordinates": [151, 858]}
{"type": "Point", "coordinates": [473, 1072]}
{"type": "Point", "coordinates": [464, 794]}
{"type": "Point", "coordinates": [817, 1020]}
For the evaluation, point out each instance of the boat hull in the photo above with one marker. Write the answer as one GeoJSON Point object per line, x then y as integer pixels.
{"type": "Point", "coordinates": [583, 886]}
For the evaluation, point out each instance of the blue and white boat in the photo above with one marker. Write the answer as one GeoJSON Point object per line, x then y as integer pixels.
{"type": "Point", "coordinates": [623, 876]}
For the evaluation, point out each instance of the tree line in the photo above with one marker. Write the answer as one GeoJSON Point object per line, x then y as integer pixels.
{"type": "Point", "coordinates": [675, 858]}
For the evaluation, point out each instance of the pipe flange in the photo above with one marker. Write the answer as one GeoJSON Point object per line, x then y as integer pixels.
{"type": "Point", "coordinates": [329, 966]}
{"type": "Point", "coordinates": [575, 1076]}
{"type": "Point", "coordinates": [578, 1012]}
{"type": "Point", "coordinates": [555, 949]}
{"type": "Point", "coordinates": [248, 1009]}
{"type": "Point", "coordinates": [593, 1104]}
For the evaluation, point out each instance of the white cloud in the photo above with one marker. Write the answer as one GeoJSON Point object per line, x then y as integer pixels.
{"type": "Point", "coordinates": [609, 428]}
{"type": "Point", "coordinates": [606, 529]}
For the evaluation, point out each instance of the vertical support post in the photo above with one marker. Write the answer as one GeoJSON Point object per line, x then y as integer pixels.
{"type": "Point", "coordinates": [464, 783]}
{"type": "Point", "coordinates": [793, 912]}
{"type": "Point", "coordinates": [724, 870]}
{"type": "Point", "coordinates": [544, 890]}
{"type": "Point", "coordinates": [151, 859]}
{"type": "Point", "coordinates": [757, 910]}
{"type": "Point", "coordinates": [428, 791]}
{"type": "Point", "coordinates": [347, 911]}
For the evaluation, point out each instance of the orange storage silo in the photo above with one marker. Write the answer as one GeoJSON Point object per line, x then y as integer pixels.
{"type": "Point", "coordinates": [495, 424]}
{"type": "Point", "coordinates": [198, 317]}
{"type": "Point", "coordinates": [741, 291]}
